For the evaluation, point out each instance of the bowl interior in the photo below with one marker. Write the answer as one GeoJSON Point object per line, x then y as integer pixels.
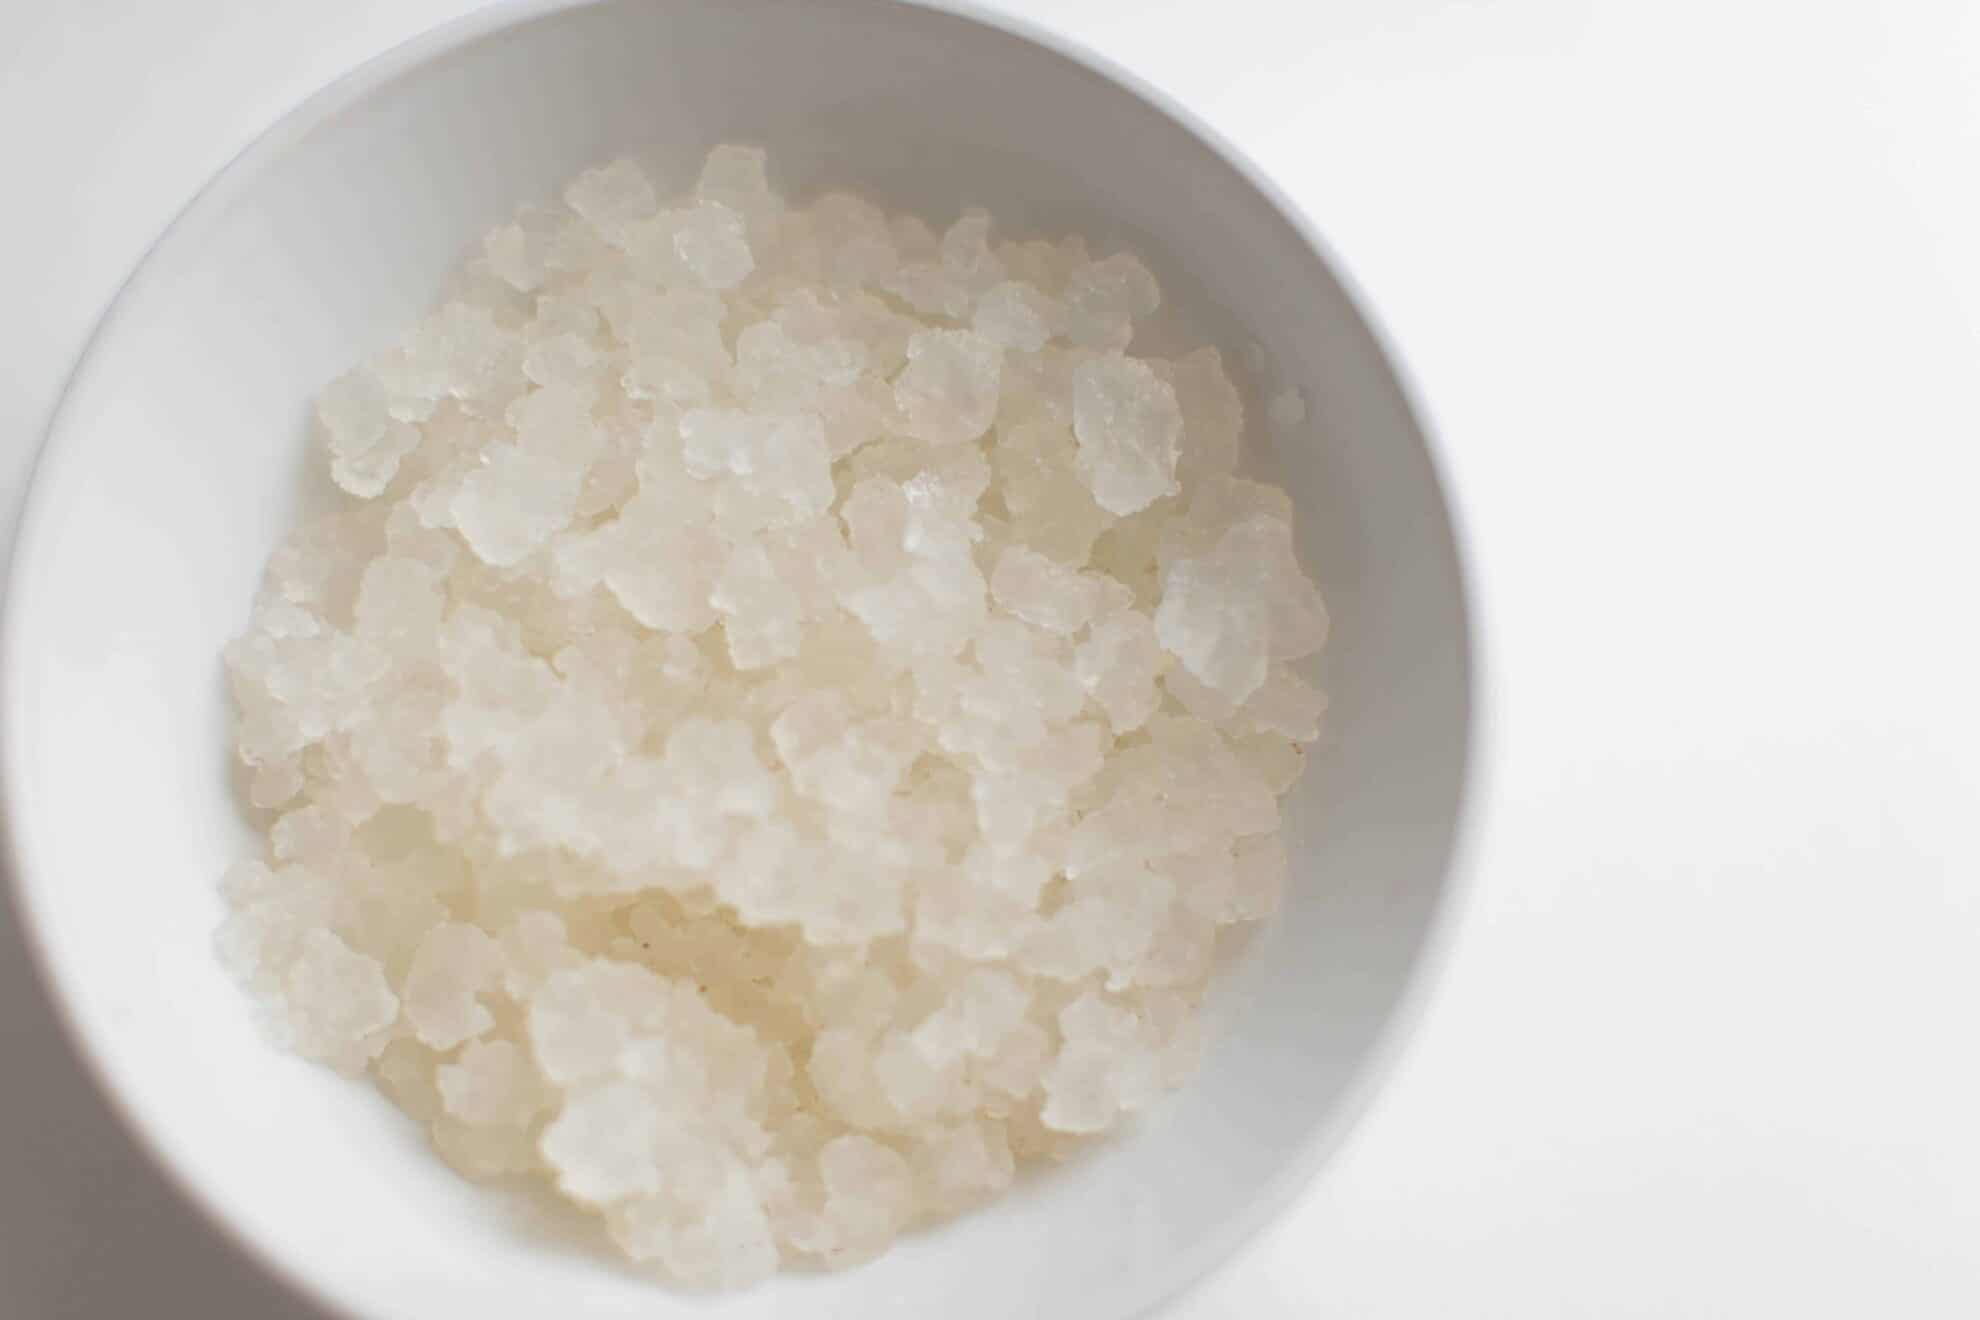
{"type": "Point", "coordinates": [179, 459]}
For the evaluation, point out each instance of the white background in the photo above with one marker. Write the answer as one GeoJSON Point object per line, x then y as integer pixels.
{"type": "Point", "coordinates": [1692, 289]}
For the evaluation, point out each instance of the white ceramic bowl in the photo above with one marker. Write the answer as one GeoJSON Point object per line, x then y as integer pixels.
{"type": "Point", "coordinates": [178, 457]}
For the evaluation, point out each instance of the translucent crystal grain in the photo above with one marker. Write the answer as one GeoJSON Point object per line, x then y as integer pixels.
{"type": "Point", "coordinates": [612, 196]}
{"type": "Point", "coordinates": [1227, 614]}
{"type": "Point", "coordinates": [1129, 428]}
{"type": "Point", "coordinates": [948, 390]}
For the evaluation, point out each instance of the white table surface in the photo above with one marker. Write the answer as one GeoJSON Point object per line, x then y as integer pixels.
{"type": "Point", "coordinates": [1693, 291]}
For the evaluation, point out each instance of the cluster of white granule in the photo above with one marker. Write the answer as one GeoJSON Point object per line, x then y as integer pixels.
{"type": "Point", "coordinates": [773, 740]}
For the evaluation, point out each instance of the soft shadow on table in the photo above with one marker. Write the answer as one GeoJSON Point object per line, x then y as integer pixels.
{"type": "Point", "coordinates": [89, 1229]}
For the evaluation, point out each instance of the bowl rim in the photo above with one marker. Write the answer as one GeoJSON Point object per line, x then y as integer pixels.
{"type": "Point", "coordinates": [1453, 899]}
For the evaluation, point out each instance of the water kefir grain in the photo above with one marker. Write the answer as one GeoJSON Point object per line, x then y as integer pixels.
{"type": "Point", "coordinates": [772, 740]}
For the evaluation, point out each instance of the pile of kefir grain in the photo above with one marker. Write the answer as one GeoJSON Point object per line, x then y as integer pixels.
{"type": "Point", "coordinates": [771, 742]}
